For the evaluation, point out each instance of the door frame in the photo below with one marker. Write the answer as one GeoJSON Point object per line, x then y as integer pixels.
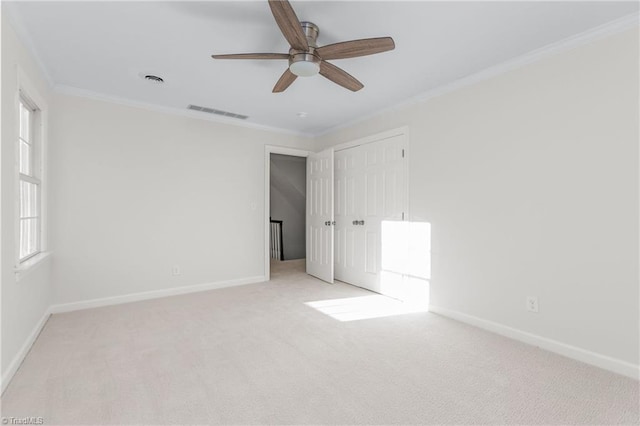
{"type": "Point", "coordinates": [404, 130]}
{"type": "Point", "coordinates": [268, 150]}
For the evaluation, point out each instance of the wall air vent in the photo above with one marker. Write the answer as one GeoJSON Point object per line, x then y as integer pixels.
{"type": "Point", "coordinates": [217, 112]}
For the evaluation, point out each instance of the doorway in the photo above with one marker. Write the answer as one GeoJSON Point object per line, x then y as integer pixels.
{"type": "Point", "coordinates": [285, 207]}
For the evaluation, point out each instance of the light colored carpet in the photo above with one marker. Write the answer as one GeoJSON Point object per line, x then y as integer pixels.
{"type": "Point", "coordinates": [259, 354]}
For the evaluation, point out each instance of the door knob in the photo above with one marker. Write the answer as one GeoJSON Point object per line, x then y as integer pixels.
{"type": "Point", "coordinates": [361, 222]}
{"type": "Point", "coordinates": [327, 223]}
{"type": "Point", "coordinates": [355, 222]}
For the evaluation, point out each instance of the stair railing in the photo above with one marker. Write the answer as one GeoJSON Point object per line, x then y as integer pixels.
{"type": "Point", "coordinates": [277, 251]}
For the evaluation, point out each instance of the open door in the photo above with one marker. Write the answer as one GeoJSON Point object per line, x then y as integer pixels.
{"type": "Point", "coordinates": [320, 222]}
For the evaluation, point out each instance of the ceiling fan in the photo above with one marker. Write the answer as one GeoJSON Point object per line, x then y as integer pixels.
{"type": "Point", "coordinates": [306, 58]}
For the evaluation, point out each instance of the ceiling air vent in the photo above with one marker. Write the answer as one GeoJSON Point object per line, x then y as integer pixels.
{"type": "Point", "coordinates": [217, 112]}
{"type": "Point", "coordinates": [154, 79]}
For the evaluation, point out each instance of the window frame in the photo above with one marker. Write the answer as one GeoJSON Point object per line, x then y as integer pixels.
{"type": "Point", "coordinates": [35, 170]}
{"type": "Point", "coordinates": [29, 96]}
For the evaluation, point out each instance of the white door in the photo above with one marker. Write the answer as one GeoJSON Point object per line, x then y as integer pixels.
{"type": "Point", "coordinates": [370, 198]}
{"type": "Point", "coordinates": [349, 197]}
{"type": "Point", "coordinates": [320, 215]}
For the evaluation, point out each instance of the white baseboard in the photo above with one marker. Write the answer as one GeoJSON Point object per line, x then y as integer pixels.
{"type": "Point", "coordinates": [24, 350]}
{"type": "Point", "coordinates": [608, 363]}
{"type": "Point", "coordinates": [155, 294]}
{"type": "Point", "coordinates": [116, 300]}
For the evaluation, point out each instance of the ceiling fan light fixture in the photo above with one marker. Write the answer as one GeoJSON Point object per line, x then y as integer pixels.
{"type": "Point", "coordinates": [304, 65]}
{"type": "Point", "coordinates": [304, 69]}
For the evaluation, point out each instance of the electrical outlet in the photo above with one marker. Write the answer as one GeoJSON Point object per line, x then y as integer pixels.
{"type": "Point", "coordinates": [175, 270]}
{"type": "Point", "coordinates": [532, 304]}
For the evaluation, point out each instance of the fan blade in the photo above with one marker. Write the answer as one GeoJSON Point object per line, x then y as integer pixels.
{"type": "Point", "coordinates": [339, 76]}
{"type": "Point", "coordinates": [285, 81]}
{"type": "Point", "coordinates": [355, 48]}
{"type": "Point", "coordinates": [252, 56]}
{"type": "Point", "coordinates": [289, 24]}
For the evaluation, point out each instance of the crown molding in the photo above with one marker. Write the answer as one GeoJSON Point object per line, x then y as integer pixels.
{"type": "Point", "coordinates": [605, 30]}
{"type": "Point", "coordinates": [23, 35]}
{"type": "Point", "coordinates": [88, 94]}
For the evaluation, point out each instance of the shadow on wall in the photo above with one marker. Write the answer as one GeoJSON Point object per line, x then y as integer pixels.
{"type": "Point", "coordinates": [288, 191]}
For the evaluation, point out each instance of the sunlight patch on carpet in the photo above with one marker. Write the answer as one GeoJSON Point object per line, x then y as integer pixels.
{"type": "Point", "coordinates": [365, 307]}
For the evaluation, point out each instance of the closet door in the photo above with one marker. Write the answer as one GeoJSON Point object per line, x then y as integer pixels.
{"type": "Point", "coordinates": [320, 215]}
{"type": "Point", "coordinates": [370, 195]}
{"type": "Point", "coordinates": [349, 199]}
{"type": "Point", "coordinates": [384, 203]}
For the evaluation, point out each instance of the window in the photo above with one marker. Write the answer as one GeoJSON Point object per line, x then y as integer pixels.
{"type": "Point", "coordinates": [30, 184]}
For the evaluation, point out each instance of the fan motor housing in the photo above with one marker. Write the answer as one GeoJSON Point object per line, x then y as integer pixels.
{"type": "Point", "coordinates": [303, 57]}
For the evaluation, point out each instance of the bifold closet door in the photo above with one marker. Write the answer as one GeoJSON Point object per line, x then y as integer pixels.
{"type": "Point", "coordinates": [370, 190]}
{"type": "Point", "coordinates": [320, 216]}
{"type": "Point", "coordinates": [349, 198]}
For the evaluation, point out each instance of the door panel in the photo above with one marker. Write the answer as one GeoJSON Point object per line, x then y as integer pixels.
{"type": "Point", "coordinates": [371, 185]}
{"type": "Point", "coordinates": [320, 173]}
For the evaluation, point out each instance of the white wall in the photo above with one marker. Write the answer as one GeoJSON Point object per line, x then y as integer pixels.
{"type": "Point", "coordinates": [288, 201]}
{"type": "Point", "coordinates": [24, 302]}
{"type": "Point", "coordinates": [139, 191]}
{"type": "Point", "coordinates": [530, 183]}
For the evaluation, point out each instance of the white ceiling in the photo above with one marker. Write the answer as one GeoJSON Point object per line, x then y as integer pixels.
{"type": "Point", "coordinates": [102, 47]}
